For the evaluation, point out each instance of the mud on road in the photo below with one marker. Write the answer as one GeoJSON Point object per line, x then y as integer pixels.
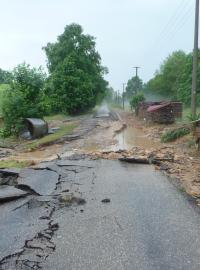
{"type": "Point", "coordinates": [40, 205]}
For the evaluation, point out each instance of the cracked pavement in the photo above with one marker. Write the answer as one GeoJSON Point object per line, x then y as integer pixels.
{"type": "Point", "coordinates": [79, 213]}
{"type": "Point", "coordinates": [144, 223]}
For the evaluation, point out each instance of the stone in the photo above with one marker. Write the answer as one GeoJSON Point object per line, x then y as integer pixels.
{"type": "Point", "coordinates": [105, 201]}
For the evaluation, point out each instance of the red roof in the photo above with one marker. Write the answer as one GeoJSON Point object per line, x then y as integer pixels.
{"type": "Point", "coordinates": [157, 107]}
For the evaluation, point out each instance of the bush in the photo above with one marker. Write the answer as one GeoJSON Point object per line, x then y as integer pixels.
{"type": "Point", "coordinates": [135, 101]}
{"type": "Point", "coordinates": [173, 135]}
{"type": "Point", "coordinates": [25, 98]}
{"type": "Point", "coordinates": [192, 118]}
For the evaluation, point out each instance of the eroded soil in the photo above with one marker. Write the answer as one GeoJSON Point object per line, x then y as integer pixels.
{"type": "Point", "coordinates": [103, 137]}
{"type": "Point", "coordinates": [74, 193]}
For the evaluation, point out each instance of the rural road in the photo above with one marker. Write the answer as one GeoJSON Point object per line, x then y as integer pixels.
{"type": "Point", "coordinates": [147, 225]}
{"type": "Point", "coordinates": [77, 213]}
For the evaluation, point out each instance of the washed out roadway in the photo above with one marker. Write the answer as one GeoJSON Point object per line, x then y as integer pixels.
{"type": "Point", "coordinates": [149, 224]}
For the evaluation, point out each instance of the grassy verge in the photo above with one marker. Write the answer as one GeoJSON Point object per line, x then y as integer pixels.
{"type": "Point", "coordinates": [57, 117]}
{"type": "Point", "coordinates": [65, 130]}
{"type": "Point", "coordinates": [14, 164]}
{"type": "Point", "coordinates": [115, 106]}
{"type": "Point", "coordinates": [173, 135]}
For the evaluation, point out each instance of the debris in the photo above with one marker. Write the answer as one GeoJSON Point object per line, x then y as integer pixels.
{"type": "Point", "coordinates": [37, 127]}
{"type": "Point", "coordinates": [70, 199]}
{"type": "Point", "coordinates": [135, 160]}
{"type": "Point", "coordinates": [160, 112]}
{"type": "Point", "coordinates": [58, 156]}
{"type": "Point", "coordinates": [105, 201]}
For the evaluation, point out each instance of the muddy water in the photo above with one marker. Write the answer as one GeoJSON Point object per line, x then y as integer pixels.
{"type": "Point", "coordinates": [124, 140]}
{"type": "Point", "coordinates": [131, 137]}
{"type": "Point", "coordinates": [45, 154]}
{"type": "Point", "coordinates": [101, 140]}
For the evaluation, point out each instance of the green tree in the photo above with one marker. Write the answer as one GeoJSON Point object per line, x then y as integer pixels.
{"type": "Point", "coordinates": [174, 78]}
{"type": "Point", "coordinates": [185, 82]}
{"type": "Point", "coordinates": [166, 79]}
{"type": "Point", "coordinates": [134, 85]}
{"type": "Point", "coordinates": [5, 76]}
{"type": "Point", "coordinates": [136, 100]}
{"type": "Point", "coordinates": [76, 79]}
{"type": "Point", "coordinates": [24, 98]}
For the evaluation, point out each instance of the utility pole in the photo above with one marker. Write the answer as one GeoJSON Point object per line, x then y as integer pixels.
{"type": "Point", "coordinates": [195, 60]}
{"type": "Point", "coordinates": [123, 94]}
{"type": "Point", "coordinates": [136, 75]}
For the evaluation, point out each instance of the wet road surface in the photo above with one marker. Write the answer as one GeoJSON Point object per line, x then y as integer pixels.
{"type": "Point", "coordinates": [147, 225]}
{"type": "Point", "coordinates": [77, 213]}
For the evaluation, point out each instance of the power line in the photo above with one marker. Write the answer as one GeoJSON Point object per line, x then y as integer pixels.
{"type": "Point", "coordinates": [180, 23]}
{"type": "Point", "coordinates": [176, 22]}
{"type": "Point", "coordinates": [173, 18]}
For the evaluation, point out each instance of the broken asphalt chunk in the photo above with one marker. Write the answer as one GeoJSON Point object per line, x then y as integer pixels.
{"type": "Point", "coordinates": [41, 182]}
{"type": "Point", "coordinates": [79, 163]}
{"type": "Point", "coordinates": [9, 193]}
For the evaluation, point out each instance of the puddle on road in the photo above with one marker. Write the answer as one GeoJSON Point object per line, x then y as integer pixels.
{"type": "Point", "coordinates": [125, 140]}
{"type": "Point", "coordinates": [133, 137]}
{"type": "Point", "coordinates": [44, 154]}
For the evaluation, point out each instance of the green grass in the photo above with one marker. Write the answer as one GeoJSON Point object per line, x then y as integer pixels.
{"type": "Point", "coordinates": [58, 117]}
{"type": "Point", "coordinates": [174, 134]}
{"type": "Point", "coordinates": [115, 106]}
{"type": "Point", "coordinates": [65, 130]}
{"type": "Point", "coordinates": [14, 164]}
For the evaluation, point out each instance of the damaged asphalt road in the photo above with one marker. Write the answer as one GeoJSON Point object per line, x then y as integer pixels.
{"type": "Point", "coordinates": [145, 224]}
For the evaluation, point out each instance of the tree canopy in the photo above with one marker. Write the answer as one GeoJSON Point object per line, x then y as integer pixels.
{"type": "Point", "coordinates": [134, 85]}
{"type": "Point", "coordinates": [76, 75]}
{"type": "Point", "coordinates": [174, 78]}
{"type": "Point", "coordinates": [5, 76]}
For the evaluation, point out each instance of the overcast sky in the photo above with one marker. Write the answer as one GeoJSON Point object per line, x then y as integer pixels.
{"type": "Point", "coordinates": [128, 32]}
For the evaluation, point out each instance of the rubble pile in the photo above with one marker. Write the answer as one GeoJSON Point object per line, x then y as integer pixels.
{"type": "Point", "coordinates": [165, 159]}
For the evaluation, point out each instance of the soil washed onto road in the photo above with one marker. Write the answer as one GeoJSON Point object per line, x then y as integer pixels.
{"type": "Point", "coordinates": [90, 205]}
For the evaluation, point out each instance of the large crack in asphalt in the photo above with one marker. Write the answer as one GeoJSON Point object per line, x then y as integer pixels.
{"type": "Point", "coordinates": [42, 205]}
{"type": "Point", "coordinates": [28, 224]}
